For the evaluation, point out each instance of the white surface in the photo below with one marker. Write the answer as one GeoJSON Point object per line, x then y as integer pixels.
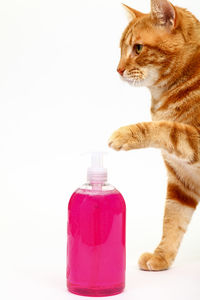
{"type": "Point", "coordinates": [61, 96]}
{"type": "Point", "coordinates": [181, 282]}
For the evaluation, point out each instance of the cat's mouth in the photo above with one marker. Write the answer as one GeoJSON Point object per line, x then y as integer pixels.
{"type": "Point", "coordinates": [141, 77]}
{"type": "Point", "coordinates": [134, 76]}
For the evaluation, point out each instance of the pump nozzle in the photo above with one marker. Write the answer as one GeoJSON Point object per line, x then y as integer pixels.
{"type": "Point", "coordinates": [97, 173]}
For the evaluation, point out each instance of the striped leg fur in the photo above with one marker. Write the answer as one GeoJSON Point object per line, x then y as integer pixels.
{"type": "Point", "coordinates": [180, 139]}
{"type": "Point", "coordinates": [179, 209]}
{"type": "Point", "coordinates": [180, 145]}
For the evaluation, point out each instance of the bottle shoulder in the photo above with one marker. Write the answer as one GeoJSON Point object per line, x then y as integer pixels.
{"type": "Point", "coordinates": [108, 198]}
{"type": "Point", "coordinates": [100, 193]}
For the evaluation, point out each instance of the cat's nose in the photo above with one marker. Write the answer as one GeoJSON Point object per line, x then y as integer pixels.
{"type": "Point", "coordinates": [120, 71]}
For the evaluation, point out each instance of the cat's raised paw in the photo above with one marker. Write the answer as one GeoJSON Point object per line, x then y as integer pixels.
{"type": "Point", "coordinates": [125, 138]}
{"type": "Point", "coordinates": [152, 262]}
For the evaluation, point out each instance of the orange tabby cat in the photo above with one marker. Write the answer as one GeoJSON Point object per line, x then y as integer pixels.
{"type": "Point", "coordinates": [161, 51]}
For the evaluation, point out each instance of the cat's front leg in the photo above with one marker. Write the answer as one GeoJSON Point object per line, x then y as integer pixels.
{"type": "Point", "coordinates": [179, 209]}
{"type": "Point", "coordinates": [180, 139]}
{"type": "Point", "coordinates": [130, 137]}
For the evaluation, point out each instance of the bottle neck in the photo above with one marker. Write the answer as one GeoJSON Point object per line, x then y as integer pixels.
{"type": "Point", "coordinates": [97, 187]}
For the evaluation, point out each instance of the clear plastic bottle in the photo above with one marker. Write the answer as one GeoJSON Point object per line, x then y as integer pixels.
{"type": "Point", "coordinates": [96, 252]}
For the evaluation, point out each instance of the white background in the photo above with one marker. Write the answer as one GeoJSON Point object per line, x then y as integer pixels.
{"type": "Point", "coordinates": [60, 96]}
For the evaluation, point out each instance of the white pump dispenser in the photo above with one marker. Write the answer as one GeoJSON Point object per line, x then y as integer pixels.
{"type": "Point", "coordinates": [97, 173]}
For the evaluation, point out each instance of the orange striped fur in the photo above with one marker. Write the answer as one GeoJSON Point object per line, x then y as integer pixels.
{"type": "Point", "coordinates": [161, 50]}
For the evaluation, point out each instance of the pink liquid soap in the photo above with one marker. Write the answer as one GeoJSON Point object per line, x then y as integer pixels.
{"type": "Point", "coordinates": [96, 253]}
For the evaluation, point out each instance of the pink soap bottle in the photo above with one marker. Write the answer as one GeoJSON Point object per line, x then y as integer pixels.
{"type": "Point", "coordinates": [96, 253]}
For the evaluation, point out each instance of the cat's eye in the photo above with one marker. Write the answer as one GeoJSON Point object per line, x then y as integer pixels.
{"type": "Point", "coordinates": [138, 48]}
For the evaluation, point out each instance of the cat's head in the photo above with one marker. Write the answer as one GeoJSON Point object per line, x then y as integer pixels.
{"type": "Point", "coordinates": [154, 45]}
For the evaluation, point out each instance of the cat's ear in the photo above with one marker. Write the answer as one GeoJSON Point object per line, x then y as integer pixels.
{"type": "Point", "coordinates": [163, 12]}
{"type": "Point", "coordinates": [132, 13]}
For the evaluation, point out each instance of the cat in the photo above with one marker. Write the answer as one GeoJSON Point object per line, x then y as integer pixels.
{"type": "Point", "coordinates": [161, 50]}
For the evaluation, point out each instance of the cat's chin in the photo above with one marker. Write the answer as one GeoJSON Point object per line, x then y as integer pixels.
{"type": "Point", "coordinates": [134, 82]}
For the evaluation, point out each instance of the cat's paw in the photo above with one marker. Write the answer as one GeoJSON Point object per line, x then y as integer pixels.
{"type": "Point", "coordinates": [152, 262]}
{"type": "Point", "coordinates": [125, 138]}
